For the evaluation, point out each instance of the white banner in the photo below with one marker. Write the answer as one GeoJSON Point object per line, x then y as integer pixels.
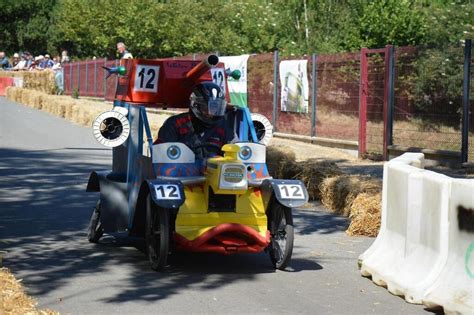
{"type": "Point", "coordinates": [294, 86]}
{"type": "Point", "coordinates": [237, 88]}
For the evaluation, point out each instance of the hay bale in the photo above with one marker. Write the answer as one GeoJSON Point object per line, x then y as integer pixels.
{"type": "Point", "coordinates": [281, 164]}
{"type": "Point", "coordinates": [280, 160]}
{"type": "Point", "coordinates": [365, 215]}
{"type": "Point", "coordinates": [13, 298]}
{"type": "Point", "coordinates": [313, 172]}
{"type": "Point", "coordinates": [42, 81]}
{"type": "Point", "coordinates": [339, 192]}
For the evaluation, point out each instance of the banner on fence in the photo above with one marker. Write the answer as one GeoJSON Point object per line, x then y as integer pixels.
{"type": "Point", "coordinates": [294, 86]}
{"type": "Point", "coordinates": [237, 88]}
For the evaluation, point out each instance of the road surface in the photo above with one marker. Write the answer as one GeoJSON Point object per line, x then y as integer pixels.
{"type": "Point", "coordinates": [44, 212]}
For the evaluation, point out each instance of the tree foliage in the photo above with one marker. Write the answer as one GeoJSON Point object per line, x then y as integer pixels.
{"type": "Point", "coordinates": [152, 28]}
{"type": "Point", "coordinates": [24, 25]}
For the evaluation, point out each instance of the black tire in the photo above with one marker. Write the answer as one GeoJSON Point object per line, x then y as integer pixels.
{"type": "Point", "coordinates": [282, 236]}
{"type": "Point", "coordinates": [95, 230]}
{"type": "Point", "coordinates": [157, 235]}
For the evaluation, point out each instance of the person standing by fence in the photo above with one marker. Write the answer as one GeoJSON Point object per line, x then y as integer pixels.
{"type": "Point", "coordinates": [124, 54]}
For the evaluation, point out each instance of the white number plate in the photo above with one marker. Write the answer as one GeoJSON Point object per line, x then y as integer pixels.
{"type": "Point", "coordinates": [146, 78]}
{"type": "Point", "coordinates": [167, 192]}
{"type": "Point", "coordinates": [218, 78]}
{"type": "Point", "coordinates": [291, 191]}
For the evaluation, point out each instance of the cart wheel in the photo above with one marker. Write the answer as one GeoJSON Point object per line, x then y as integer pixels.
{"type": "Point", "coordinates": [282, 235]}
{"type": "Point", "coordinates": [95, 230]}
{"type": "Point", "coordinates": [157, 235]}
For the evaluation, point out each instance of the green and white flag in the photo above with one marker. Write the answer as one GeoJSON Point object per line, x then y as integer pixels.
{"type": "Point", "coordinates": [237, 88]}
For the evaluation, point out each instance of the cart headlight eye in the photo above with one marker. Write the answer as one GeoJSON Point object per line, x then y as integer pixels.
{"type": "Point", "coordinates": [245, 153]}
{"type": "Point", "coordinates": [173, 152]}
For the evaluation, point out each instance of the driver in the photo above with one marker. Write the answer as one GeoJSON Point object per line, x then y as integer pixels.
{"type": "Point", "coordinates": [203, 128]}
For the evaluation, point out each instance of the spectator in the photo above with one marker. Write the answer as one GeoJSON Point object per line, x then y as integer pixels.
{"type": "Point", "coordinates": [47, 63]}
{"type": "Point", "coordinates": [22, 64]}
{"type": "Point", "coordinates": [4, 63]}
{"type": "Point", "coordinates": [16, 59]}
{"type": "Point", "coordinates": [29, 60]}
{"type": "Point", "coordinates": [124, 54]}
{"type": "Point", "coordinates": [36, 65]}
{"type": "Point", "coordinates": [64, 57]}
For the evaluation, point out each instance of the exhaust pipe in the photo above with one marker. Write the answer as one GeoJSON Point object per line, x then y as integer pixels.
{"type": "Point", "coordinates": [195, 73]}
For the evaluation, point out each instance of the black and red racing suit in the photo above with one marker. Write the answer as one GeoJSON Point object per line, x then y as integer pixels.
{"type": "Point", "coordinates": [204, 140]}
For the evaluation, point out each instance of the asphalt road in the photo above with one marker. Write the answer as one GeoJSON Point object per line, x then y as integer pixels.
{"type": "Point", "coordinates": [44, 211]}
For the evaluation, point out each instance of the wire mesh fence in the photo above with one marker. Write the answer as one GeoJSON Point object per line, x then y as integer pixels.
{"type": "Point", "coordinates": [260, 84]}
{"type": "Point", "coordinates": [428, 102]}
{"type": "Point", "coordinates": [428, 85]}
{"type": "Point", "coordinates": [337, 111]}
{"type": "Point", "coordinates": [375, 102]}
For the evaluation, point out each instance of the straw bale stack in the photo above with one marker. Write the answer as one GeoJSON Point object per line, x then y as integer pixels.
{"type": "Point", "coordinates": [313, 172]}
{"type": "Point", "coordinates": [42, 81]}
{"type": "Point", "coordinates": [281, 163]}
{"type": "Point", "coordinates": [14, 300]}
{"type": "Point", "coordinates": [280, 160]}
{"type": "Point", "coordinates": [365, 215]}
{"type": "Point", "coordinates": [79, 111]}
{"type": "Point", "coordinates": [339, 192]}
{"type": "Point", "coordinates": [12, 74]}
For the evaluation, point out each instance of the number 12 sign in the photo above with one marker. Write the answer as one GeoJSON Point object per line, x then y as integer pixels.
{"type": "Point", "coordinates": [146, 78]}
{"type": "Point", "coordinates": [218, 78]}
{"type": "Point", "coordinates": [291, 191]}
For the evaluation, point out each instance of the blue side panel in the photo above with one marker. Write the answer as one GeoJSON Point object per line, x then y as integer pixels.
{"type": "Point", "coordinates": [248, 118]}
{"type": "Point", "coordinates": [243, 129]}
{"type": "Point", "coordinates": [135, 171]}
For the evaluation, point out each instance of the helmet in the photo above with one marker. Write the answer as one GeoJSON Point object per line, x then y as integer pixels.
{"type": "Point", "coordinates": [208, 102]}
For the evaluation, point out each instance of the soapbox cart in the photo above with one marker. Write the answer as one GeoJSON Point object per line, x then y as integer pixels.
{"type": "Point", "coordinates": [225, 204]}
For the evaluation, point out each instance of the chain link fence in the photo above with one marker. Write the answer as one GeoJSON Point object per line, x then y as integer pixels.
{"type": "Point", "coordinates": [428, 98]}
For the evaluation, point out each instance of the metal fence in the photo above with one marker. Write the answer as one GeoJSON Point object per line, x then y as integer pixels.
{"type": "Point", "coordinates": [428, 105]}
{"type": "Point", "coordinates": [334, 116]}
{"type": "Point", "coordinates": [88, 78]}
{"type": "Point", "coordinates": [408, 97]}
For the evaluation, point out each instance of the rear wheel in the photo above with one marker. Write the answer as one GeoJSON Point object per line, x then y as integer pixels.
{"type": "Point", "coordinates": [282, 236]}
{"type": "Point", "coordinates": [95, 230]}
{"type": "Point", "coordinates": [157, 235]}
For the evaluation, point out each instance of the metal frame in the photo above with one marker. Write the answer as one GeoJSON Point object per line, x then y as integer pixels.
{"type": "Point", "coordinates": [314, 93]}
{"type": "Point", "coordinates": [388, 100]}
{"type": "Point", "coordinates": [363, 91]}
{"type": "Point", "coordinates": [466, 101]}
{"type": "Point", "coordinates": [276, 63]}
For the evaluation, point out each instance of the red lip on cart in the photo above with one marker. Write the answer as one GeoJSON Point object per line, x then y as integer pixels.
{"type": "Point", "coordinates": [226, 238]}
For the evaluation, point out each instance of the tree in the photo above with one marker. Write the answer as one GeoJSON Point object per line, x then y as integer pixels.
{"type": "Point", "coordinates": [396, 22]}
{"type": "Point", "coordinates": [24, 25]}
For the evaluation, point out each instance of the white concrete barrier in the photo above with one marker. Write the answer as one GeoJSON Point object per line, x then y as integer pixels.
{"type": "Point", "coordinates": [389, 249]}
{"type": "Point", "coordinates": [414, 159]}
{"type": "Point", "coordinates": [426, 244]}
{"type": "Point", "coordinates": [417, 245]}
{"type": "Point", "coordinates": [454, 288]}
